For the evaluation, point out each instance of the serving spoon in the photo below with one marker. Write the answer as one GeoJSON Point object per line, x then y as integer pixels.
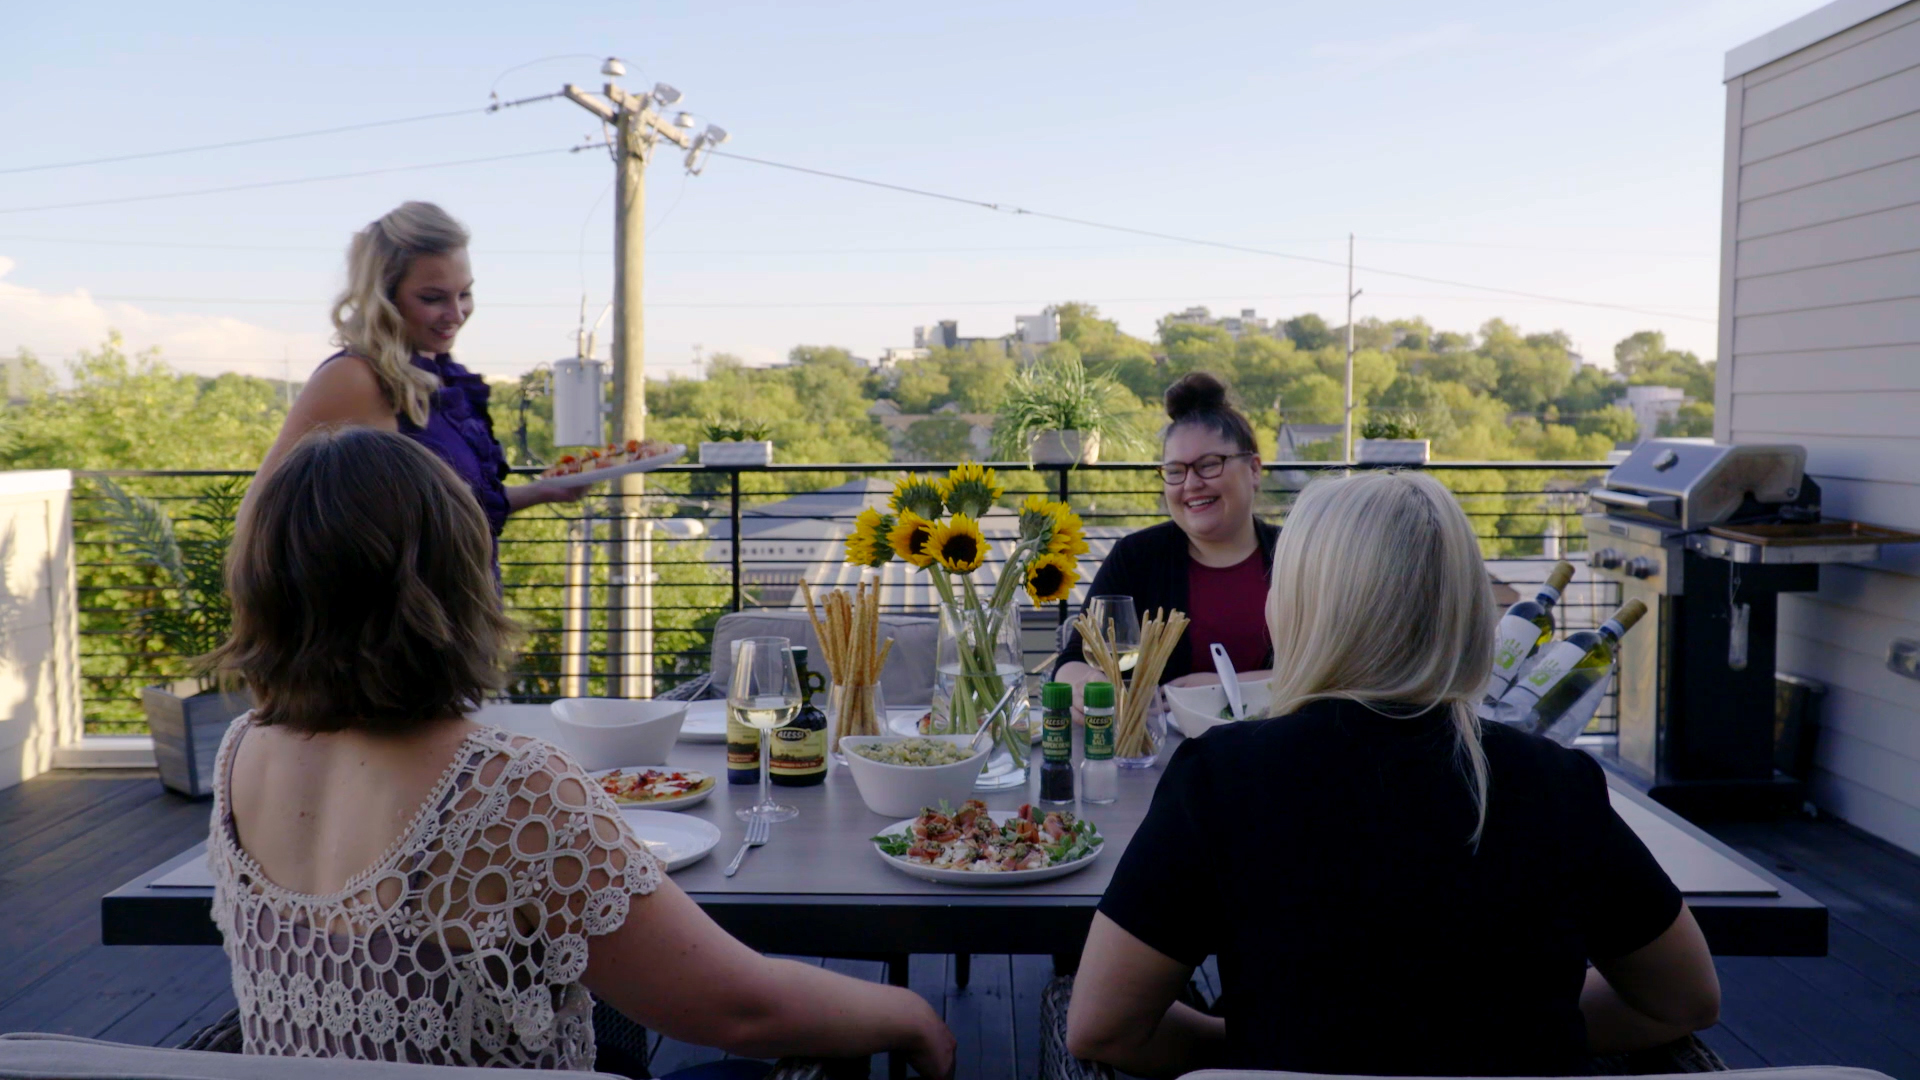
{"type": "Point", "coordinates": [1229, 680]}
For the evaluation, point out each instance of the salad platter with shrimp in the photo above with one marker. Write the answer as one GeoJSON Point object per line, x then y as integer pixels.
{"type": "Point", "coordinates": [977, 846]}
{"type": "Point", "coordinates": [618, 459]}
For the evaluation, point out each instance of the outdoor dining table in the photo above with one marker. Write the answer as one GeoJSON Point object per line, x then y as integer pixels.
{"type": "Point", "coordinates": [819, 887]}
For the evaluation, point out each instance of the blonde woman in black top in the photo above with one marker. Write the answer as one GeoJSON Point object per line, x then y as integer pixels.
{"type": "Point", "coordinates": [1390, 889]}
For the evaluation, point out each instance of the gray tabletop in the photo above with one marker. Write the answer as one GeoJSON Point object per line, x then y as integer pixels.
{"type": "Point", "coordinates": [819, 888]}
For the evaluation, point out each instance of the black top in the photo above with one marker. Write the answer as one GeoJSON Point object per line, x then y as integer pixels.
{"type": "Point", "coordinates": [1324, 858]}
{"type": "Point", "coordinates": [1151, 566]}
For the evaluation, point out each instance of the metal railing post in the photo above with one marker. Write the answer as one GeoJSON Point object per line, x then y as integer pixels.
{"type": "Point", "coordinates": [575, 616]}
{"type": "Point", "coordinates": [1066, 496]}
{"type": "Point", "coordinates": [733, 515]}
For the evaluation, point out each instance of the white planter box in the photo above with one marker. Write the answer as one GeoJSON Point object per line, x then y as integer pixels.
{"type": "Point", "coordinates": [736, 453]}
{"type": "Point", "coordinates": [1065, 448]}
{"type": "Point", "coordinates": [1392, 451]}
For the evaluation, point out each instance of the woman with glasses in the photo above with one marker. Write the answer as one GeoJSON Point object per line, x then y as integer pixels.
{"type": "Point", "coordinates": [1213, 559]}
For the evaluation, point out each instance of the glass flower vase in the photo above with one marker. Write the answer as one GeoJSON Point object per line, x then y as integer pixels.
{"type": "Point", "coordinates": [979, 680]}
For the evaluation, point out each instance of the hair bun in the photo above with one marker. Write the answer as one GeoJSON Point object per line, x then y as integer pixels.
{"type": "Point", "coordinates": [1195, 392]}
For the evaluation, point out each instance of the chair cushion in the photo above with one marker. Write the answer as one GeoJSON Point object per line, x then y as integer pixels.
{"type": "Point", "coordinates": [33, 1056]}
{"type": "Point", "coordinates": [906, 682]}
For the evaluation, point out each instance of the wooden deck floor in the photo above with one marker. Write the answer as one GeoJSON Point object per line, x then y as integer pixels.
{"type": "Point", "coordinates": [68, 837]}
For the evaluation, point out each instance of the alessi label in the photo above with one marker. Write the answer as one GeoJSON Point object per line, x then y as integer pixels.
{"type": "Point", "coordinates": [1056, 738]}
{"type": "Point", "coordinates": [1099, 736]}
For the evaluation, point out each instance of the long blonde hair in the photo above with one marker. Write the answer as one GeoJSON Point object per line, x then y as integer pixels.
{"type": "Point", "coordinates": [1379, 596]}
{"type": "Point", "coordinates": [365, 319]}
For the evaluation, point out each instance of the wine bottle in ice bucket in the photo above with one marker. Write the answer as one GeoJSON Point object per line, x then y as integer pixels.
{"type": "Point", "coordinates": [1567, 671]}
{"type": "Point", "coordinates": [1524, 629]}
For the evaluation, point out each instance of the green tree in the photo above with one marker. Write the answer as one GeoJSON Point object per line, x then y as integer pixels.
{"type": "Point", "coordinates": [945, 437]}
{"type": "Point", "coordinates": [1644, 359]}
{"type": "Point", "coordinates": [1308, 332]}
{"type": "Point", "coordinates": [1589, 391]}
{"type": "Point", "coordinates": [1693, 421]}
{"type": "Point", "coordinates": [1615, 422]}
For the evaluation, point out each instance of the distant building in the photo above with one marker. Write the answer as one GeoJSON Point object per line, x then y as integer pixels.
{"type": "Point", "coordinates": [1247, 322]}
{"type": "Point", "coordinates": [1295, 438]}
{"type": "Point", "coordinates": [1030, 334]}
{"type": "Point", "coordinates": [1037, 330]}
{"type": "Point", "coordinates": [891, 358]}
{"type": "Point", "coordinates": [1650, 405]}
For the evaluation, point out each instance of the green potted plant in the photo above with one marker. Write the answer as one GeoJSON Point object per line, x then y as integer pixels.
{"type": "Point", "coordinates": [1392, 439]}
{"type": "Point", "coordinates": [1058, 413]}
{"type": "Point", "coordinates": [734, 443]}
{"type": "Point", "coordinates": [185, 617]}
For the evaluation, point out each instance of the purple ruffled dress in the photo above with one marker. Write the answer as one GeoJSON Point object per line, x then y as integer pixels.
{"type": "Point", "coordinates": [460, 430]}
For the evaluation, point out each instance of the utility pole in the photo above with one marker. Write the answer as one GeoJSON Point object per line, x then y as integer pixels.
{"type": "Point", "coordinates": [1352, 295]}
{"type": "Point", "coordinates": [636, 128]}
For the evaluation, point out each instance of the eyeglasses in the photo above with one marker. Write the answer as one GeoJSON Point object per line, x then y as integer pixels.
{"type": "Point", "coordinates": [1207, 467]}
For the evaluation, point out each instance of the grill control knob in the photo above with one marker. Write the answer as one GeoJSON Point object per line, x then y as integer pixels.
{"type": "Point", "coordinates": [1641, 567]}
{"type": "Point", "coordinates": [1605, 558]}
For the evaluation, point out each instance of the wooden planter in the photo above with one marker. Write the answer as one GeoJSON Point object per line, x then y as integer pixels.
{"type": "Point", "coordinates": [187, 733]}
{"type": "Point", "coordinates": [734, 454]}
{"type": "Point", "coordinates": [1065, 448]}
{"type": "Point", "coordinates": [1392, 451]}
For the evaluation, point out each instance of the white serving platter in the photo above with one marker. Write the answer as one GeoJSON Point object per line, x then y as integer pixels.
{"type": "Point", "coordinates": [594, 476]}
{"type": "Point", "coordinates": [976, 878]}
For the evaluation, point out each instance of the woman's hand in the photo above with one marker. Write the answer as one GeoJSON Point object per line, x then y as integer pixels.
{"type": "Point", "coordinates": [933, 1056]}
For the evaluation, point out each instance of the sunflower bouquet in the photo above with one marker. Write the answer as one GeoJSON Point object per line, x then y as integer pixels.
{"type": "Point", "coordinates": [934, 526]}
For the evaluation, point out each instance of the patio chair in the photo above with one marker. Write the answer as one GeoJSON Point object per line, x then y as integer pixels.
{"type": "Point", "coordinates": [1688, 1055]}
{"type": "Point", "coordinates": [907, 681]}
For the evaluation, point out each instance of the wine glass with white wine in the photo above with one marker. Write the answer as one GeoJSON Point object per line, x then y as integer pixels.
{"type": "Point", "coordinates": [1116, 615]}
{"type": "Point", "coordinates": [764, 694]}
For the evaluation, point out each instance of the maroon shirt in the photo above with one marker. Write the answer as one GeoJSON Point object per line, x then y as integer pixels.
{"type": "Point", "coordinates": [1228, 605]}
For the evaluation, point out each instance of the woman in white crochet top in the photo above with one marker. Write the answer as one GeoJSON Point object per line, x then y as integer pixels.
{"type": "Point", "coordinates": [396, 882]}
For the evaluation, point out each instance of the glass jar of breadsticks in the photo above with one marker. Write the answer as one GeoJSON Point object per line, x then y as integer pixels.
{"type": "Point", "coordinates": [1139, 729]}
{"type": "Point", "coordinates": [849, 634]}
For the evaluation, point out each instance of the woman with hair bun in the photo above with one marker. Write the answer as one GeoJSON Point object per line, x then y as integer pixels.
{"type": "Point", "coordinates": [1214, 558]}
{"type": "Point", "coordinates": [409, 292]}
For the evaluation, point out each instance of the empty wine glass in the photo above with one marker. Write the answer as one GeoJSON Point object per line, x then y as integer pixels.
{"type": "Point", "coordinates": [1115, 615]}
{"type": "Point", "coordinates": [764, 694]}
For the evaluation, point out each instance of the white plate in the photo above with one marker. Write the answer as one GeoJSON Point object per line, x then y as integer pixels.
{"type": "Point", "coordinates": [706, 722]}
{"type": "Point", "coordinates": [675, 839]}
{"type": "Point", "coordinates": [594, 476]}
{"type": "Point", "coordinates": [970, 877]}
{"type": "Point", "coordinates": [680, 803]}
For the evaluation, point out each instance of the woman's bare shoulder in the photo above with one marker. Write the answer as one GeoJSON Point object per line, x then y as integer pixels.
{"type": "Point", "coordinates": [345, 389]}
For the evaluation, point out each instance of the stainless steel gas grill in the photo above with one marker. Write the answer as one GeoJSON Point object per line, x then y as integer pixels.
{"type": "Point", "coordinates": [1708, 536]}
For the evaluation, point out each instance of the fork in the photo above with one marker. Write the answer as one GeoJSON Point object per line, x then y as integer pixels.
{"type": "Point", "coordinates": [759, 829]}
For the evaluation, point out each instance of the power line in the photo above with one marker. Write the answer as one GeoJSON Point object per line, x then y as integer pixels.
{"type": "Point", "coordinates": [1176, 238]}
{"type": "Point", "coordinates": [287, 183]}
{"type": "Point", "coordinates": [243, 142]}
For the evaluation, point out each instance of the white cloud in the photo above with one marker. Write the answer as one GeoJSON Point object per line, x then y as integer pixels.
{"type": "Point", "coordinates": [55, 326]}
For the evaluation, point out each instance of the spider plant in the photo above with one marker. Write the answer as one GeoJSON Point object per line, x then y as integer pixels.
{"type": "Point", "coordinates": [1062, 395]}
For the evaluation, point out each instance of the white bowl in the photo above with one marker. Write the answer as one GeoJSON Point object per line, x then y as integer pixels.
{"type": "Point", "coordinates": [1197, 708]}
{"type": "Point", "coordinates": [898, 791]}
{"type": "Point", "coordinates": [610, 733]}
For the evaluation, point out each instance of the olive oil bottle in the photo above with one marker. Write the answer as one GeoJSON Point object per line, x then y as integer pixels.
{"type": "Point", "coordinates": [800, 748]}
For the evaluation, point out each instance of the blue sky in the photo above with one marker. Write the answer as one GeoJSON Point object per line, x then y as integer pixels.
{"type": "Point", "coordinates": [1571, 150]}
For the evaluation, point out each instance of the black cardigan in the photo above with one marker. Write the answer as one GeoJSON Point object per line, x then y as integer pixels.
{"type": "Point", "coordinates": [1151, 566]}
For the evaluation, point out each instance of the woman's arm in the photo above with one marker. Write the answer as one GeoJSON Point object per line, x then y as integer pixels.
{"type": "Point", "coordinates": [344, 393]}
{"type": "Point", "coordinates": [1653, 995]}
{"type": "Point", "coordinates": [521, 496]}
{"type": "Point", "coordinates": [671, 968]}
{"type": "Point", "coordinates": [1124, 1013]}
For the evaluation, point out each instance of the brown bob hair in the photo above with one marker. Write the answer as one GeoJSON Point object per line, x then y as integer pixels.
{"type": "Point", "coordinates": [363, 590]}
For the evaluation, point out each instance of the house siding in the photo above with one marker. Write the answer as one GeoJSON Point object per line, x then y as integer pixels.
{"type": "Point", "coordinates": [1820, 345]}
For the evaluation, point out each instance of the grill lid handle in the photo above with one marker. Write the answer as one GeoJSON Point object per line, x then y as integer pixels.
{"type": "Point", "coordinates": [1664, 506]}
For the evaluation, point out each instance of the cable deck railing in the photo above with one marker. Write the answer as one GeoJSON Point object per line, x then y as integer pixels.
{"type": "Point", "coordinates": [620, 596]}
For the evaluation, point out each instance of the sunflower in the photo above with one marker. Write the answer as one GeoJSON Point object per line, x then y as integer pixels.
{"type": "Point", "coordinates": [970, 489]}
{"type": "Point", "coordinates": [1040, 518]}
{"type": "Point", "coordinates": [958, 545]}
{"type": "Point", "coordinates": [867, 546]}
{"type": "Point", "coordinates": [909, 537]}
{"type": "Point", "coordinates": [1051, 578]}
{"type": "Point", "coordinates": [918, 494]}
{"type": "Point", "coordinates": [1069, 536]}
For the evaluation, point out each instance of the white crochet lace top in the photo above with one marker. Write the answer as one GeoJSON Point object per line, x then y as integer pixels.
{"type": "Point", "coordinates": [464, 944]}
